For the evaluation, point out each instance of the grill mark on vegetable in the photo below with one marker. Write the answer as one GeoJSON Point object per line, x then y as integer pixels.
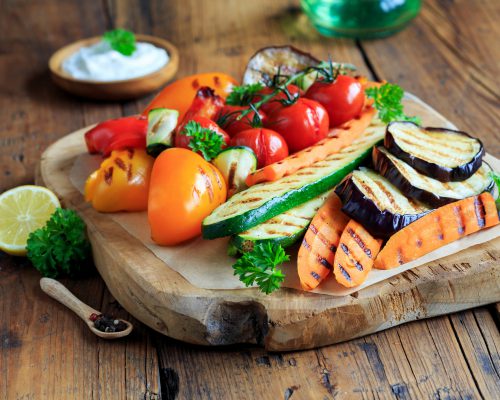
{"type": "Point", "coordinates": [315, 275]}
{"type": "Point", "coordinates": [389, 195]}
{"type": "Point", "coordinates": [479, 211]}
{"type": "Point", "coordinates": [305, 244]}
{"type": "Point", "coordinates": [156, 126]}
{"type": "Point", "coordinates": [214, 170]}
{"type": "Point", "coordinates": [304, 173]}
{"type": "Point", "coordinates": [278, 221]}
{"type": "Point", "coordinates": [253, 199]}
{"type": "Point", "coordinates": [431, 153]}
{"type": "Point", "coordinates": [108, 176]}
{"type": "Point", "coordinates": [457, 210]}
{"type": "Point", "coordinates": [208, 183]}
{"type": "Point", "coordinates": [358, 266]}
{"type": "Point", "coordinates": [428, 140]}
{"type": "Point", "coordinates": [344, 272]}
{"type": "Point", "coordinates": [120, 164]}
{"type": "Point", "coordinates": [230, 177]}
{"type": "Point", "coordinates": [360, 242]}
{"type": "Point", "coordinates": [130, 153]}
{"type": "Point", "coordinates": [400, 257]}
{"type": "Point", "coordinates": [324, 262]}
{"type": "Point", "coordinates": [313, 229]}
{"type": "Point", "coordinates": [344, 248]}
{"type": "Point", "coordinates": [419, 242]}
{"type": "Point", "coordinates": [129, 172]}
{"type": "Point", "coordinates": [440, 235]}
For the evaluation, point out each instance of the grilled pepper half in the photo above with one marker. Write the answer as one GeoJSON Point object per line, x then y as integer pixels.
{"type": "Point", "coordinates": [121, 183]}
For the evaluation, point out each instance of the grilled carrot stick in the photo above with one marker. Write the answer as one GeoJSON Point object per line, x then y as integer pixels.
{"type": "Point", "coordinates": [317, 252]}
{"type": "Point", "coordinates": [442, 226]}
{"type": "Point", "coordinates": [339, 138]}
{"type": "Point", "coordinates": [355, 255]}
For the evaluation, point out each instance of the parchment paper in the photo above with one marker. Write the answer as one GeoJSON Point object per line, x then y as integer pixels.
{"type": "Point", "coordinates": [205, 264]}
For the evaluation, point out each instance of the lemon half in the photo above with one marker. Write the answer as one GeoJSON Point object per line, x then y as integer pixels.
{"type": "Point", "coordinates": [23, 210]}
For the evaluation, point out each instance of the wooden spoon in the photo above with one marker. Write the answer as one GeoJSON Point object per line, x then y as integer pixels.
{"type": "Point", "coordinates": [58, 291]}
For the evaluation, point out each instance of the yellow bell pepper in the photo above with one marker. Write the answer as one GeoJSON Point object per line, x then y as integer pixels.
{"type": "Point", "coordinates": [121, 183]}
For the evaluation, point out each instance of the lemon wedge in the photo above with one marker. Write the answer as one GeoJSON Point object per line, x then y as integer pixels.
{"type": "Point", "coordinates": [23, 210]}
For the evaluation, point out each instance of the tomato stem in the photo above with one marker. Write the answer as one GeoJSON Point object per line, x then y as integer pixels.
{"type": "Point", "coordinates": [323, 68]}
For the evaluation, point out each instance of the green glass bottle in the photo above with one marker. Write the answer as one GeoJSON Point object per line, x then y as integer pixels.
{"type": "Point", "coordinates": [361, 19]}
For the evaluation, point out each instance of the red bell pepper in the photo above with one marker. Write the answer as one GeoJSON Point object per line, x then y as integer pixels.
{"type": "Point", "coordinates": [205, 104]}
{"type": "Point", "coordinates": [117, 134]}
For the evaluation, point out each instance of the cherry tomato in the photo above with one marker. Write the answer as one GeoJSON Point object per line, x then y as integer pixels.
{"type": "Point", "coordinates": [231, 124]}
{"type": "Point", "coordinates": [274, 103]}
{"type": "Point", "coordinates": [179, 94]}
{"type": "Point", "coordinates": [343, 99]}
{"type": "Point", "coordinates": [184, 189]}
{"type": "Point", "coordinates": [183, 140]}
{"type": "Point", "coordinates": [269, 146]}
{"type": "Point", "coordinates": [301, 124]}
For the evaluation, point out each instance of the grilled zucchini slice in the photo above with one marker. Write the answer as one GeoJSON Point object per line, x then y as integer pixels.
{"type": "Point", "coordinates": [442, 154]}
{"type": "Point", "coordinates": [266, 200]}
{"type": "Point", "coordinates": [235, 164]}
{"type": "Point", "coordinates": [377, 204]}
{"type": "Point", "coordinates": [428, 190]}
{"type": "Point", "coordinates": [284, 229]}
{"type": "Point", "coordinates": [161, 126]}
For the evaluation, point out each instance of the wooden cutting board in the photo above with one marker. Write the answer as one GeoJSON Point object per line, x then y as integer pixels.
{"type": "Point", "coordinates": [286, 320]}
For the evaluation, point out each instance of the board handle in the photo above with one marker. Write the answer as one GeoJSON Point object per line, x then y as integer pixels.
{"type": "Point", "coordinates": [59, 292]}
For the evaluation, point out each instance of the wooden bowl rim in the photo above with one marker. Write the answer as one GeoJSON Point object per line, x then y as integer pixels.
{"type": "Point", "coordinates": [55, 66]}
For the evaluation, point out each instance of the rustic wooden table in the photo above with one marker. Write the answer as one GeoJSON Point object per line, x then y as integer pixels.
{"type": "Point", "coordinates": [449, 57]}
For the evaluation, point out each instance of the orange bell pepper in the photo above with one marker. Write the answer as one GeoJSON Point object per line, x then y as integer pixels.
{"type": "Point", "coordinates": [180, 94]}
{"type": "Point", "coordinates": [121, 183]}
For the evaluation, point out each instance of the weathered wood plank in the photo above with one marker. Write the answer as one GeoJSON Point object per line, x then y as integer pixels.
{"type": "Point", "coordinates": [448, 57]}
{"type": "Point", "coordinates": [479, 339]}
{"type": "Point", "coordinates": [46, 351]}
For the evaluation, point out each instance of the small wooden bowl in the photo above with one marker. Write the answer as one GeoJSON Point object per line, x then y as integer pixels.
{"type": "Point", "coordinates": [115, 90]}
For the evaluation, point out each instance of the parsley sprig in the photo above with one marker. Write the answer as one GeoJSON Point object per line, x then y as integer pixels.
{"type": "Point", "coordinates": [121, 40]}
{"type": "Point", "coordinates": [243, 95]}
{"type": "Point", "coordinates": [60, 247]}
{"type": "Point", "coordinates": [387, 100]}
{"type": "Point", "coordinates": [203, 140]}
{"type": "Point", "coordinates": [260, 266]}
{"type": "Point", "coordinates": [496, 178]}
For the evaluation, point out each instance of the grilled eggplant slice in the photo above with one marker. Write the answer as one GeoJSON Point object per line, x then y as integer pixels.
{"type": "Point", "coordinates": [377, 204]}
{"type": "Point", "coordinates": [428, 190]}
{"type": "Point", "coordinates": [442, 154]}
{"type": "Point", "coordinates": [264, 64]}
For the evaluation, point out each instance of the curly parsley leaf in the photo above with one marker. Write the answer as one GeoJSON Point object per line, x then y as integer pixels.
{"type": "Point", "coordinates": [203, 140]}
{"type": "Point", "coordinates": [387, 100]}
{"type": "Point", "coordinates": [260, 266]}
{"type": "Point", "coordinates": [496, 179]}
{"type": "Point", "coordinates": [61, 246]}
{"type": "Point", "coordinates": [243, 95]}
{"type": "Point", "coordinates": [121, 40]}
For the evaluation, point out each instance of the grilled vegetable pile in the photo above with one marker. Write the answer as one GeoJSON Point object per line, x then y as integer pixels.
{"type": "Point", "coordinates": [260, 163]}
{"type": "Point", "coordinates": [401, 202]}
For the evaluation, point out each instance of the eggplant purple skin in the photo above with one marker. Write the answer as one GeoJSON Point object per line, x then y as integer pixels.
{"type": "Point", "coordinates": [380, 224]}
{"type": "Point", "coordinates": [442, 174]}
{"type": "Point", "coordinates": [388, 170]}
